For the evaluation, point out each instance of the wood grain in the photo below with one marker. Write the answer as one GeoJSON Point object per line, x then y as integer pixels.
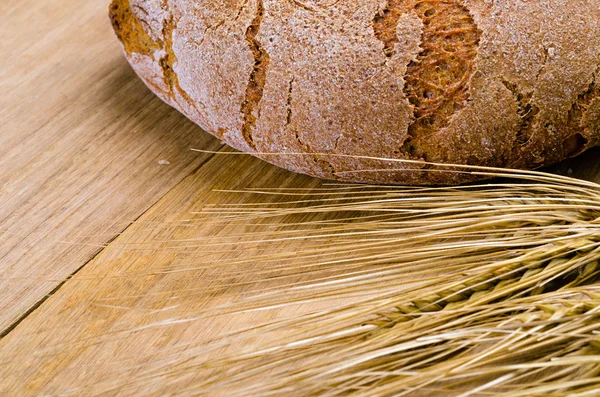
{"type": "Point", "coordinates": [80, 142]}
{"type": "Point", "coordinates": [133, 321]}
{"type": "Point", "coordinates": [143, 294]}
{"type": "Point", "coordinates": [79, 149]}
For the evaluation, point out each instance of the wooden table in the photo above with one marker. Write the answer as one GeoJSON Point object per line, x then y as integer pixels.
{"type": "Point", "coordinates": [98, 184]}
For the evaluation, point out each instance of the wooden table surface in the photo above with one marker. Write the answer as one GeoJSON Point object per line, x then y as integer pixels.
{"type": "Point", "coordinates": [98, 186]}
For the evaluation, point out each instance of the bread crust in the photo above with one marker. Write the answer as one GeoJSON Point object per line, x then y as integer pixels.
{"type": "Point", "coordinates": [501, 83]}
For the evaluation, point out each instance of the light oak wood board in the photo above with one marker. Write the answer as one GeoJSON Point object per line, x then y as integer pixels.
{"type": "Point", "coordinates": [133, 321]}
{"type": "Point", "coordinates": [80, 143]}
{"type": "Point", "coordinates": [99, 283]}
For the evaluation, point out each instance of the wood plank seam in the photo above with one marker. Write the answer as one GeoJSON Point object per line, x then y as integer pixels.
{"type": "Point", "coordinates": [39, 303]}
{"type": "Point", "coordinates": [11, 327]}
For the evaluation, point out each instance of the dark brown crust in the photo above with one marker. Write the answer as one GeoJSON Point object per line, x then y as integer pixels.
{"type": "Point", "coordinates": [455, 81]}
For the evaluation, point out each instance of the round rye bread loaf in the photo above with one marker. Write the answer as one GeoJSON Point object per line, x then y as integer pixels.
{"type": "Point", "coordinates": [327, 87]}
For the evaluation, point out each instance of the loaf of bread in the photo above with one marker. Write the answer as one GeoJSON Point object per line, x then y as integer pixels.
{"type": "Point", "coordinates": [328, 87]}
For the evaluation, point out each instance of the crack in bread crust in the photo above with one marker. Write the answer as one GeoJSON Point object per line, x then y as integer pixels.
{"type": "Point", "coordinates": [289, 115]}
{"type": "Point", "coordinates": [167, 63]}
{"type": "Point", "coordinates": [130, 30]}
{"type": "Point", "coordinates": [257, 81]}
{"type": "Point", "coordinates": [322, 162]}
{"type": "Point", "coordinates": [385, 24]}
{"type": "Point", "coordinates": [577, 143]}
{"type": "Point", "coordinates": [437, 82]}
{"type": "Point", "coordinates": [527, 113]}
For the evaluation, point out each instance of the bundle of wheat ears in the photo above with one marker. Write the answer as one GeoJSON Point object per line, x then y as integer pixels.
{"type": "Point", "coordinates": [485, 289]}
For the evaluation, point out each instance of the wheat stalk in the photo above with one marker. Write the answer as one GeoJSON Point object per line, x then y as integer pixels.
{"type": "Point", "coordinates": [509, 341]}
{"type": "Point", "coordinates": [515, 314]}
{"type": "Point", "coordinates": [486, 289]}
